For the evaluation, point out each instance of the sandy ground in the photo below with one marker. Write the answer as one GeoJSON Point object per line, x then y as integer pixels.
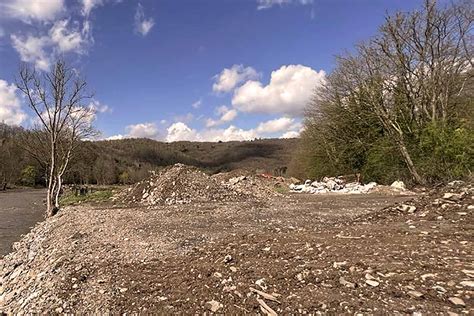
{"type": "Point", "coordinates": [20, 210]}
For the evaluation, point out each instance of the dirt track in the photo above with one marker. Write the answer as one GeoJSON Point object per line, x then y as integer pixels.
{"type": "Point", "coordinates": [19, 211]}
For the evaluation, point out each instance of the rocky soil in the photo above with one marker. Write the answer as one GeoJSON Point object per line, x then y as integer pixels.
{"type": "Point", "coordinates": [301, 253]}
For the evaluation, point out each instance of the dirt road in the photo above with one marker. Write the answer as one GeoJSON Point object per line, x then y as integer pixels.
{"type": "Point", "coordinates": [19, 211]}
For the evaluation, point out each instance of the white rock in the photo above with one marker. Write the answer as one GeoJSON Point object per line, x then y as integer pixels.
{"type": "Point", "coordinates": [406, 208]}
{"type": "Point", "coordinates": [213, 306]}
{"type": "Point", "coordinates": [467, 283]}
{"type": "Point", "coordinates": [399, 185]}
{"type": "Point", "coordinates": [457, 301]}
{"type": "Point", "coordinates": [415, 294]}
{"type": "Point", "coordinates": [372, 283]}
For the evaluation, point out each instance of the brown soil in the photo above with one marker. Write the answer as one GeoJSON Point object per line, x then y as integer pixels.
{"type": "Point", "coordinates": [327, 253]}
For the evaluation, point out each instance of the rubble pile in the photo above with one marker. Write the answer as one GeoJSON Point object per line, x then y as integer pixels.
{"type": "Point", "coordinates": [333, 184]}
{"type": "Point", "coordinates": [179, 184]}
{"type": "Point", "coordinates": [261, 186]}
{"type": "Point", "coordinates": [440, 203]}
{"type": "Point", "coordinates": [340, 185]}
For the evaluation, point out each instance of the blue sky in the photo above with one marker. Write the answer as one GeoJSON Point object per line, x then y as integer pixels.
{"type": "Point", "coordinates": [187, 69]}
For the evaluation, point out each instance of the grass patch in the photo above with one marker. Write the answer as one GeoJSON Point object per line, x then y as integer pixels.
{"type": "Point", "coordinates": [98, 196]}
{"type": "Point", "coordinates": [282, 189]}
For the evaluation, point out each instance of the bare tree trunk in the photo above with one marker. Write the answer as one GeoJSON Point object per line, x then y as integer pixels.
{"type": "Point", "coordinates": [58, 191]}
{"type": "Point", "coordinates": [409, 162]}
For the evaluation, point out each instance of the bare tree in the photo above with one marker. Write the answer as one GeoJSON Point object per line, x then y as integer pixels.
{"type": "Point", "coordinates": [60, 102]}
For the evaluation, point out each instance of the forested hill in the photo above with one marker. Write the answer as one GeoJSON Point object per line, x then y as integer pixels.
{"type": "Point", "coordinates": [130, 160]}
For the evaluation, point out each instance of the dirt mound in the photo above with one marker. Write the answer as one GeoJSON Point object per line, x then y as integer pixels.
{"type": "Point", "coordinates": [180, 184]}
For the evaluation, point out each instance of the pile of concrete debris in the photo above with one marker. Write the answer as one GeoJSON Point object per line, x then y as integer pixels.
{"type": "Point", "coordinates": [179, 184]}
{"type": "Point", "coordinates": [261, 186]}
{"type": "Point", "coordinates": [339, 185]}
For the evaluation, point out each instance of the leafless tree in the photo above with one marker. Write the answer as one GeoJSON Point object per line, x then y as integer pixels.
{"type": "Point", "coordinates": [60, 102]}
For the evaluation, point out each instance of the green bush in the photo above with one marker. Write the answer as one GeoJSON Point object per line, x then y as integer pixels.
{"type": "Point", "coordinates": [445, 153]}
{"type": "Point", "coordinates": [28, 176]}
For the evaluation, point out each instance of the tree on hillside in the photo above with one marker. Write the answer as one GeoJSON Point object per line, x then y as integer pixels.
{"type": "Point", "coordinates": [61, 104]}
{"type": "Point", "coordinates": [412, 76]}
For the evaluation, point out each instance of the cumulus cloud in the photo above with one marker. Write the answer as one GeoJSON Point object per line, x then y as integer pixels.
{"type": "Point", "coordinates": [290, 134]}
{"type": "Point", "coordinates": [10, 106]}
{"type": "Point", "coordinates": [180, 131]}
{"type": "Point", "coordinates": [266, 4]}
{"type": "Point", "coordinates": [29, 10]}
{"type": "Point", "coordinates": [276, 125]}
{"type": "Point", "coordinates": [288, 92]}
{"type": "Point", "coordinates": [225, 115]}
{"type": "Point", "coordinates": [143, 130]}
{"type": "Point", "coordinates": [143, 25]}
{"type": "Point", "coordinates": [40, 50]}
{"type": "Point", "coordinates": [32, 50]}
{"type": "Point", "coordinates": [115, 137]}
{"type": "Point", "coordinates": [229, 78]}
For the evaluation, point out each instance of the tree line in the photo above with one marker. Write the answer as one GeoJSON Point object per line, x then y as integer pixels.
{"type": "Point", "coordinates": [401, 105]}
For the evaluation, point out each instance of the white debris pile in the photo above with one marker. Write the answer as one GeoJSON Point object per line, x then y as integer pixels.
{"type": "Point", "coordinates": [334, 185]}
{"type": "Point", "coordinates": [179, 184]}
{"type": "Point", "coordinates": [261, 186]}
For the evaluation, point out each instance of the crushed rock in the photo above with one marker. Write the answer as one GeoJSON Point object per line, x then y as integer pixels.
{"type": "Point", "coordinates": [180, 184]}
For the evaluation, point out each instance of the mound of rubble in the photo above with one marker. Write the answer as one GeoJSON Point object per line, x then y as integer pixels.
{"type": "Point", "coordinates": [180, 184]}
{"type": "Point", "coordinates": [339, 185]}
{"type": "Point", "coordinates": [261, 186]}
{"type": "Point", "coordinates": [440, 203]}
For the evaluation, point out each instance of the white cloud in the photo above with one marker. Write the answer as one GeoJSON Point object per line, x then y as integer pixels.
{"type": "Point", "coordinates": [229, 78]}
{"type": "Point", "coordinates": [10, 106]}
{"type": "Point", "coordinates": [115, 137]}
{"type": "Point", "coordinates": [143, 130]}
{"type": "Point", "coordinates": [226, 115]}
{"type": "Point", "coordinates": [88, 5]}
{"type": "Point", "coordinates": [143, 25]}
{"type": "Point", "coordinates": [33, 50]}
{"type": "Point", "coordinates": [65, 39]}
{"type": "Point", "coordinates": [99, 107]}
{"type": "Point", "coordinates": [41, 50]}
{"type": "Point", "coordinates": [28, 10]}
{"type": "Point", "coordinates": [276, 125]}
{"type": "Point", "coordinates": [266, 4]}
{"type": "Point", "coordinates": [289, 91]}
{"type": "Point", "coordinates": [180, 131]}
{"type": "Point", "coordinates": [196, 104]}
{"type": "Point", "coordinates": [290, 134]}
{"type": "Point", "coordinates": [2, 32]}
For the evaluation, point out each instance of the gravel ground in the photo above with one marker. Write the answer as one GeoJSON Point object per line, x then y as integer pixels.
{"type": "Point", "coordinates": [298, 253]}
